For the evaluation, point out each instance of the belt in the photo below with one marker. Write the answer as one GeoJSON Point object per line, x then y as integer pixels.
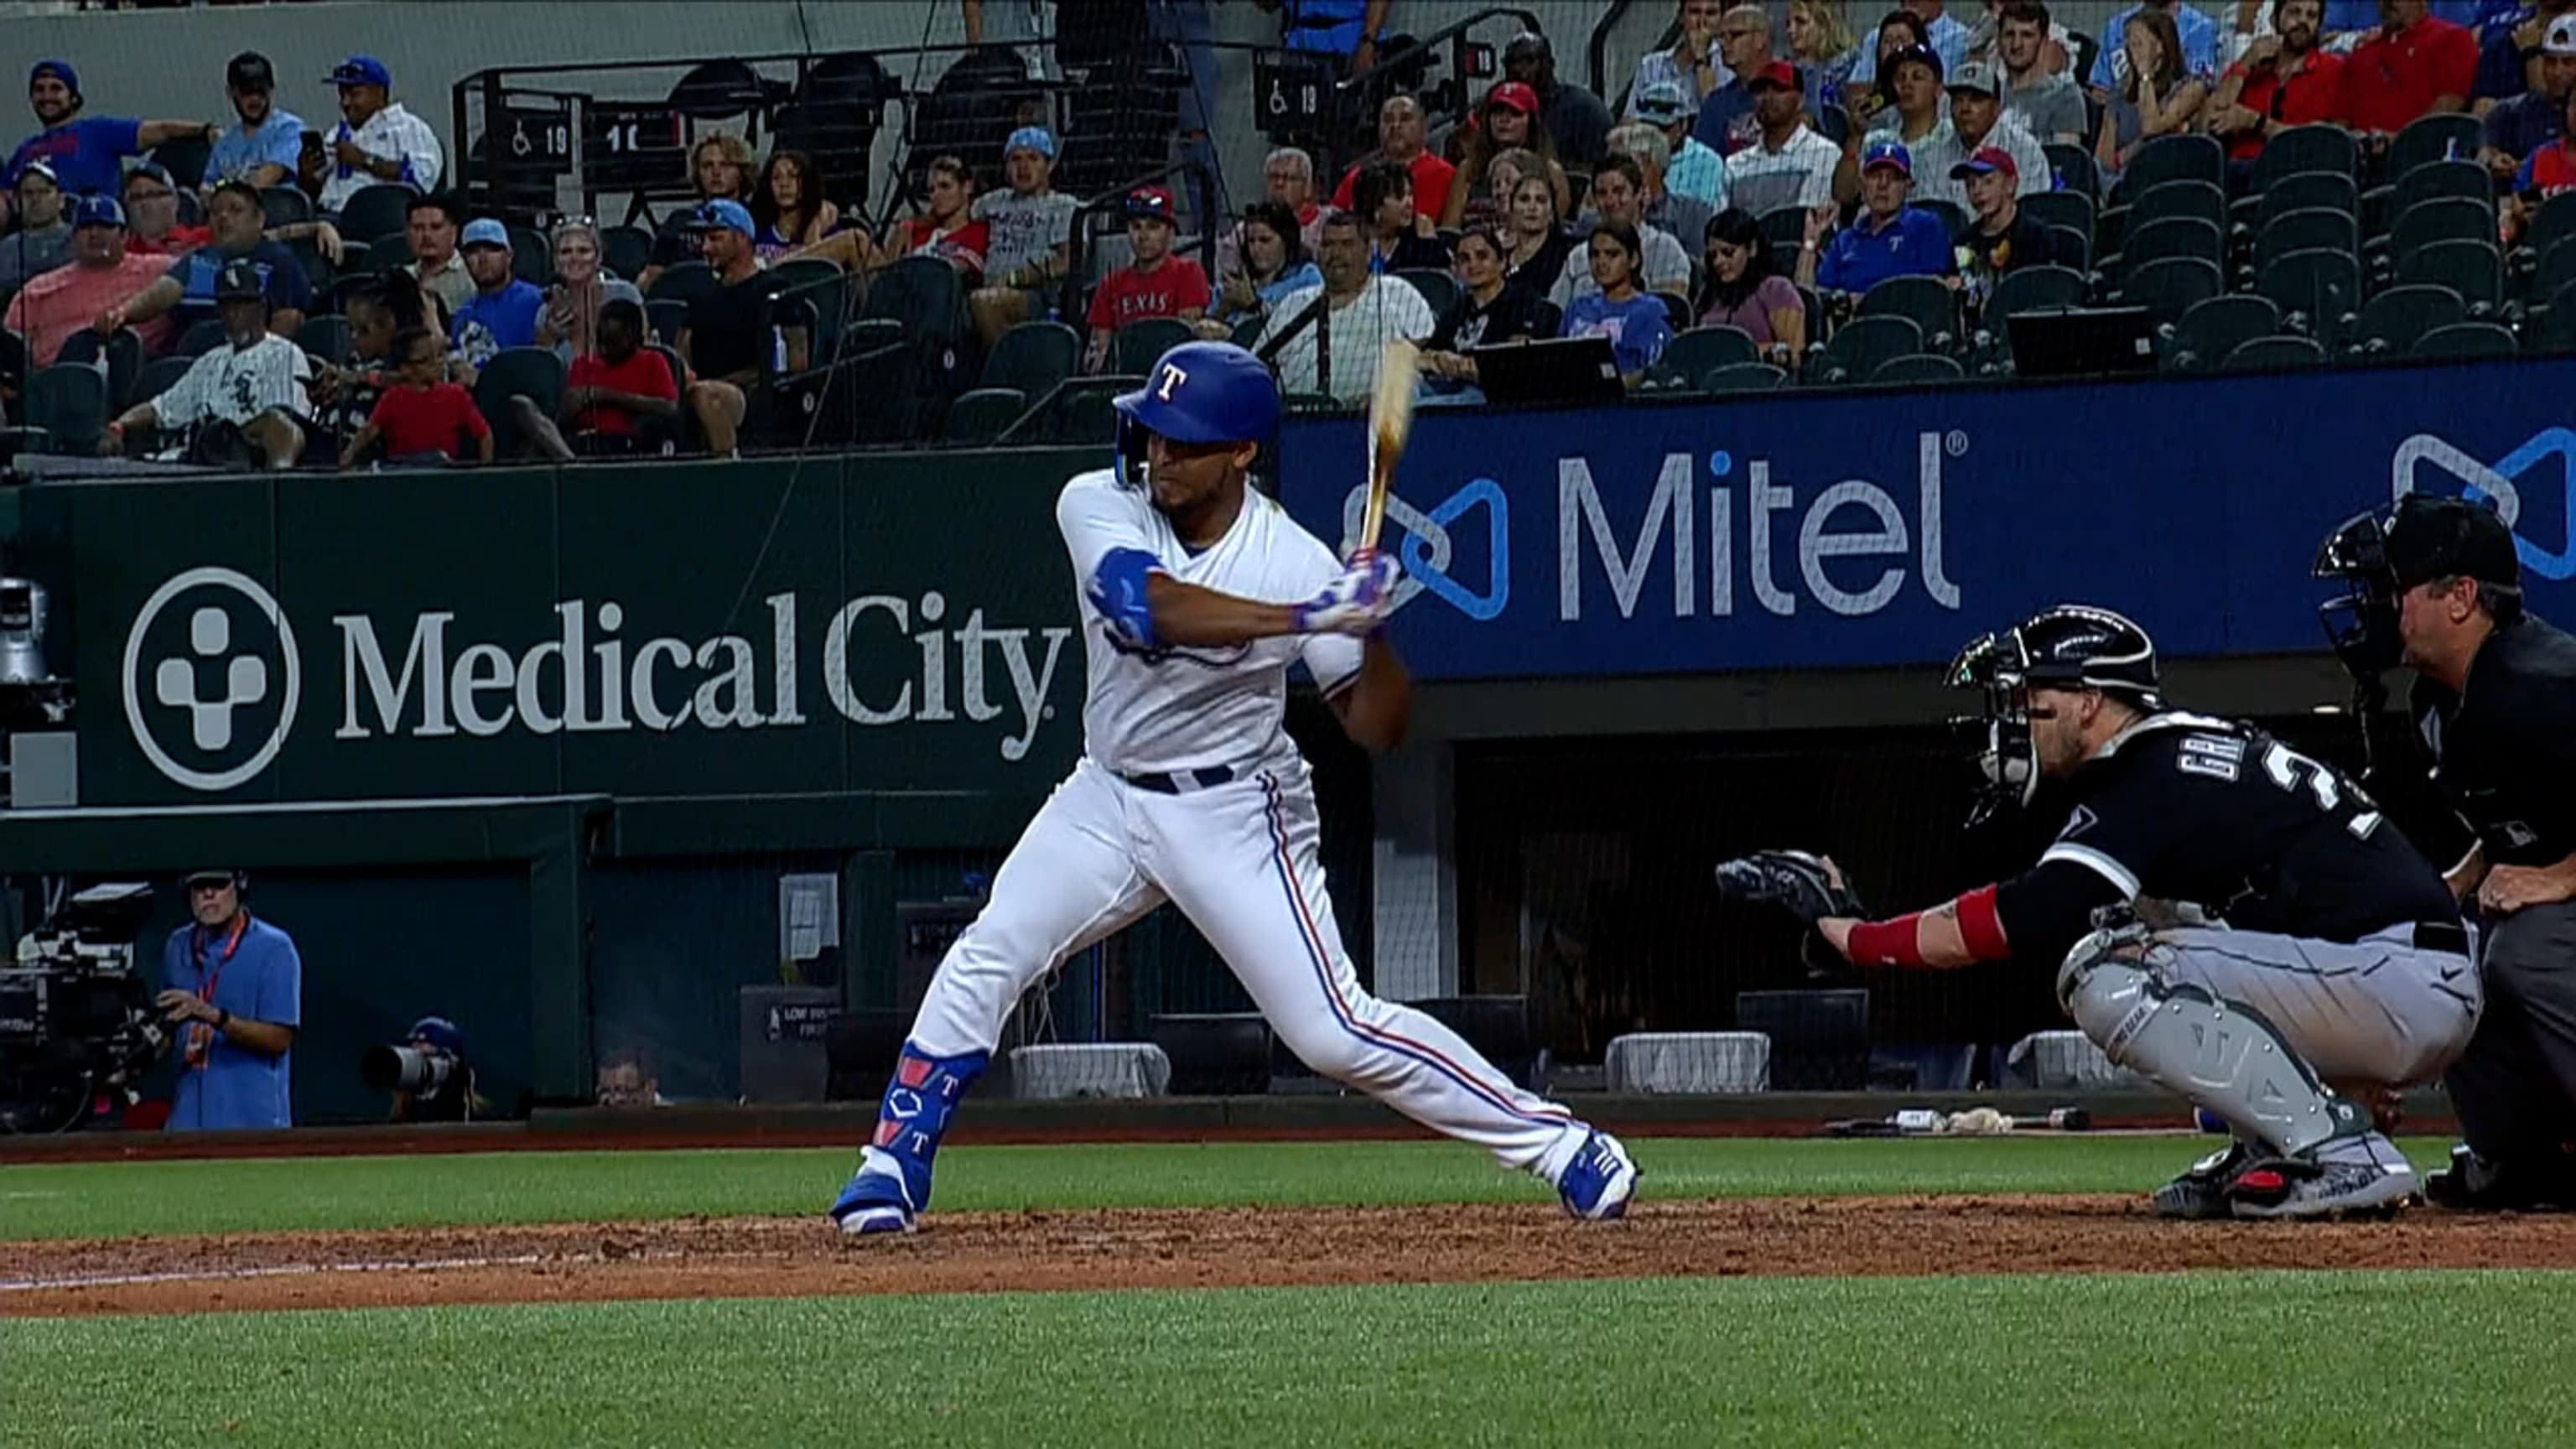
{"type": "Point", "coordinates": [1181, 782]}
{"type": "Point", "coordinates": [2448, 936]}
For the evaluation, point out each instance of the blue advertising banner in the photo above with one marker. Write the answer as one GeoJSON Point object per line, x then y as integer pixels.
{"type": "Point", "coordinates": [1820, 530]}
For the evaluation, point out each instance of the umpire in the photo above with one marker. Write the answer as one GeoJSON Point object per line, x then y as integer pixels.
{"type": "Point", "coordinates": [2436, 587]}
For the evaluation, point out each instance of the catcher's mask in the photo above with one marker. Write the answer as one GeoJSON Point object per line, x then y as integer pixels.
{"type": "Point", "coordinates": [2071, 646]}
{"type": "Point", "coordinates": [2379, 556]}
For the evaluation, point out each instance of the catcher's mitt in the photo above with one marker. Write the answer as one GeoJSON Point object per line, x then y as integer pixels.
{"type": "Point", "coordinates": [1802, 885]}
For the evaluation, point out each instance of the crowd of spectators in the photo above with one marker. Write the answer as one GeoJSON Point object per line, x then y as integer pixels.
{"type": "Point", "coordinates": [1911, 147]}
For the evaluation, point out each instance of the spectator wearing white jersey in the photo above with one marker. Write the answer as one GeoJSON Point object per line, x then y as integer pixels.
{"type": "Point", "coordinates": [252, 386]}
{"type": "Point", "coordinates": [377, 140]}
{"type": "Point", "coordinates": [1328, 339]}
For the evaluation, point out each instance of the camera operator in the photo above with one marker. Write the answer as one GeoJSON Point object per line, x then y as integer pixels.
{"type": "Point", "coordinates": [235, 987]}
{"type": "Point", "coordinates": [429, 1075]}
{"type": "Point", "coordinates": [2439, 589]}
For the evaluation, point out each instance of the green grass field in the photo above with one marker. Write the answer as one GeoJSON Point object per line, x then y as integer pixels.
{"type": "Point", "coordinates": [2279, 1358]}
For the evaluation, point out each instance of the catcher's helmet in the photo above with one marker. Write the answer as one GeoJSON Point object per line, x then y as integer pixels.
{"type": "Point", "coordinates": [2070, 646]}
{"type": "Point", "coordinates": [1199, 392]}
{"type": "Point", "coordinates": [2382, 555]}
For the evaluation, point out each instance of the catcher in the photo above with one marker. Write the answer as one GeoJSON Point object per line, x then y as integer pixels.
{"type": "Point", "coordinates": [2234, 920]}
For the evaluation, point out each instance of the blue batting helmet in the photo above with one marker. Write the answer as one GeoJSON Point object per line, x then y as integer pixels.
{"type": "Point", "coordinates": [1203, 392]}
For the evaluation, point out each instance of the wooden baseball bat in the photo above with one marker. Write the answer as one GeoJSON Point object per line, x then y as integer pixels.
{"type": "Point", "coordinates": [1390, 421]}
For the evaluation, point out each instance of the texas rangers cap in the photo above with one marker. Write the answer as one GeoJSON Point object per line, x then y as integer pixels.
{"type": "Point", "coordinates": [239, 282]}
{"type": "Point", "coordinates": [1984, 160]}
{"type": "Point", "coordinates": [60, 70]}
{"type": "Point", "coordinates": [1149, 201]}
{"type": "Point", "coordinates": [98, 211]}
{"type": "Point", "coordinates": [1891, 154]}
{"type": "Point", "coordinates": [1778, 73]}
{"type": "Point", "coordinates": [484, 232]}
{"type": "Point", "coordinates": [360, 70]}
{"type": "Point", "coordinates": [2561, 39]}
{"type": "Point", "coordinates": [1513, 95]}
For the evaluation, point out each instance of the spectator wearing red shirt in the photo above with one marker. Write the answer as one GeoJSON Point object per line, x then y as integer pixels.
{"type": "Point", "coordinates": [610, 391]}
{"type": "Point", "coordinates": [947, 231]}
{"type": "Point", "coordinates": [1402, 135]}
{"type": "Point", "coordinates": [2284, 80]}
{"type": "Point", "coordinates": [1155, 284]}
{"type": "Point", "coordinates": [2412, 66]}
{"type": "Point", "coordinates": [421, 417]}
{"type": "Point", "coordinates": [152, 215]}
{"type": "Point", "coordinates": [101, 274]}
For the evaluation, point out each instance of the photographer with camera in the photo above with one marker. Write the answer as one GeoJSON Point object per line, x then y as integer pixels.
{"type": "Point", "coordinates": [428, 1074]}
{"type": "Point", "coordinates": [235, 988]}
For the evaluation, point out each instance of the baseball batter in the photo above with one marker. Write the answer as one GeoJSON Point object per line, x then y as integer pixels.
{"type": "Point", "coordinates": [1197, 594]}
{"type": "Point", "coordinates": [2235, 921]}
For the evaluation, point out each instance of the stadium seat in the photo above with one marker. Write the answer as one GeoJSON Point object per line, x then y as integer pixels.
{"type": "Point", "coordinates": [2557, 268]}
{"type": "Point", "coordinates": [2273, 354]}
{"type": "Point", "coordinates": [2555, 223]}
{"type": "Point", "coordinates": [388, 250]}
{"type": "Point", "coordinates": [68, 401]}
{"type": "Point", "coordinates": [1033, 357]}
{"type": "Point", "coordinates": [668, 315]}
{"type": "Point", "coordinates": [532, 256]}
{"type": "Point", "coordinates": [2180, 236]}
{"type": "Point", "coordinates": [981, 415]}
{"type": "Point", "coordinates": [2450, 218]}
{"type": "Point", "coordinates": [1785, 227]}
{"type": "Point", "coordinates": [828, 288]}
{"type": "Point", "coordinates": [124, 354]}
{"type": "Point", "coordinates": [1954, 217]}
{"type": "Point", "coordinates": [374, 210]}
{"type": "Point", "coordinates": [1140, 344]}
{"type": "Point", "coordinates": [2309, 190]}
{"type": "Point", "coordinates": [2467, 340]}
{"type": "Point", "coordinates": [534, 372]}
{"type": "Point", "coordinates": [2182, 157]}
{"type": "Point", "coordinates": [2034, 289]}
{"type": "Point", "coordinates": [284, 205]}
{"type": "Point", "coordinates": [1860, 345]}
{"type": "Point", "coordinates": [2072, 247]}
{"type": "Point", "coordinates": [200, 338]}
{"type": "Point", "coordinates": [1084, 415]}
{"type": "Point", "coordinates": [1438, 288]}
{"type": "Point", "coordinates": [2465, 180]}
{"type": "Point", "coordinates": [1698, 351]}
{"type": "Point", "coordinates": [2315, 290]}
{"type": "Point", "coordinates": [2074, 168]}
{"type": "Point", "coordinates": [2470, 268]}
{"type": "Point", "coordinates": [1743, 377]}
{"type": "Point", "coordinates": [2392, 321]}
{"type": "Point", "coordinates": [2553, 329]}
{"type": "Point", "coordinates": [2430, 139]}
{"type": "Point", "coordinates": [2202, 199]}
{"type": "Point", "coordinates": [2317, 227]}
{"type": "Point", "coordinates": [2170, 287]}
{"type": "Point", "coordinates": [2305, 151]}
{"type": "Point", "coordinates": [1931, 303]}
{"type": "Point", "coordinates": [2208, 334]}
{"type": "Point", "coordinates": [157, 376]}
{"type": "Point", "coordinates": [684, 282]}
{"type": "Point", "coordinates": [626, 250]}
{"type": "Point", "coordinates": [2071, 209]}
{"type": "Point", "coordinates": [1920, 368]}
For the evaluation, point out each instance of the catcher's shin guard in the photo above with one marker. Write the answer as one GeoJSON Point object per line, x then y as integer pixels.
{"type": "Point", "coordinates": [2217, 1054]}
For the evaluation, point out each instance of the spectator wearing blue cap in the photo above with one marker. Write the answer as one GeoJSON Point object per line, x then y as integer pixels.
{"type": "Point", "coordinates": [451, 1093]}
{"type": "Point", "coordinates": [101, 274]}
{"type": "Point", "coordinates": [377, 141]}
{"type": "Point", "coordinates": [261, 145]}
{"type": "Point", "coordinates": [503, 311]}
{"type": "Point", "coordinates": [1028, 228]}
{"type": "Point", "coordinates": [731, 328]}
{"type": "Point", "coordinates": [85, 151]}
{"type": "Point", "coordinates": [1889, 239]}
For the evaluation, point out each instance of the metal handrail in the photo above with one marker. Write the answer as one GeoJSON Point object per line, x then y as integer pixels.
{"type": "Point", "coordinates": [1599, 45]}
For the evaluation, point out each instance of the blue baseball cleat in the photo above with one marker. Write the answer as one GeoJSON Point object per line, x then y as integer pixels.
{"type": "Point", "coordinates": [873, 1202]}
{"type": "Point", "coordinates": [1600, 1180]}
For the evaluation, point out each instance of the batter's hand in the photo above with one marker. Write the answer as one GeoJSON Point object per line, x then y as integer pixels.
{"type": "Point", "coordinates": [1356, 602]}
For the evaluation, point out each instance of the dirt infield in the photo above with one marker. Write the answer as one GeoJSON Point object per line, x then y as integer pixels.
{"type": "Point", "coordinates": [1212, 1248]}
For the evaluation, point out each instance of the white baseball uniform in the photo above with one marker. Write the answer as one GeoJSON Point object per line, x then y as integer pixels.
{"type": "Point", "coordinates": [1224, 826]}
{"type": "Point", "coordinates": [237, 384]}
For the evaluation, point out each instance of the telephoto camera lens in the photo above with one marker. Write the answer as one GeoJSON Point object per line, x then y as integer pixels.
{"type": "Point", "coordinates": [404, 1069]}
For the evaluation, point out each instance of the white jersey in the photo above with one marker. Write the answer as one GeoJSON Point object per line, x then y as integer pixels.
{"type": "Point", "coordinates": [1185, 709]}
{"type": "Point", "coordinates": [237, 384]}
